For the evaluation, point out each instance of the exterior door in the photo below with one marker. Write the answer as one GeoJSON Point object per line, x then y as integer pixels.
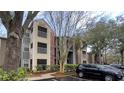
{"type": "Point", "coordinates": [31, 64]}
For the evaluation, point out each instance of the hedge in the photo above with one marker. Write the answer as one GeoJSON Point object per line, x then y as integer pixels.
{"type": "Point", "coordinates": [20, 74]}
{"type": "Point", "coordinates": [70, 67]}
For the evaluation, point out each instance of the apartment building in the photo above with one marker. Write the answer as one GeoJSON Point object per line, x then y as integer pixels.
{"type": "Point", "coordinates": [38, 45]}
{"type": "Point", "coordinates": [76, 56]}
{"type": "Point", "coordinates": [84, 55]}
{"type": "Point", "coordinates": [25, 53]}
{"type": "Point", "coordinates": [92, 58]}
{"type": "Point", "coordinates": [2, 50]}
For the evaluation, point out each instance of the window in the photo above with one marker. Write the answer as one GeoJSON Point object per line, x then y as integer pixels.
{"type": "Point", "coordinates": [84, 52]}
{"type": "Point", "coordinates": [27, 34]}
{"type": "Point", "coordinates": [93, 67]}
{"type": "Point", "coordinates": [84, 61]}
{"type": "Point", "coordinates": [26, 40]}
{"type": "Point", "coordinates": [71, 48]}
{"type": "Point", "coordinates": [25, 65]}
{"type": "Point", "coordinates": [42, 47]}
{"type": "Point", "coordinates": [42, 62]}
{"type": "Point", "coordinates": [31, 45]}
{"type": "Point", "coordinates": [42, 32]}
{"type": "Point", "coordinates": [26, 49]}
{"type": "Point", "coordinates": [86, 65]}
{"type": "Point", "coordinates": [90, 66]}
{"type": "Point", "coordinates": [25, 55]}
{"type": "Point", "coordinates": [80, 67]}
{"type": "Point", "coordinates": [30, 63]}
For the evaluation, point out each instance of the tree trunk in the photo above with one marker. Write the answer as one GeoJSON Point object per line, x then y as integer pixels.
{"type": "Point", "coordinates": [76, 57]}
{"type": "Point", "coordinates": [122, 54]}
{"type": "Point", "coordinates": [62, 67]}
{"type": "Point", "coordinates": [13, 48]}
{"type": "Point", "coordinates": [99, 58]}
{"type": "Point", "coordinates": [95, 58]}
{"type": "Point", "coordinates": [62, 62]}
{"type": "Point", "coordinates": [105, 57]}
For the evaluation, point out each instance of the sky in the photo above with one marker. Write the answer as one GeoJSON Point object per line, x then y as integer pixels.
{"type": "Point", "coordinates": [3, 32]}
{"type": "Point", "coordinates": [111, 14]}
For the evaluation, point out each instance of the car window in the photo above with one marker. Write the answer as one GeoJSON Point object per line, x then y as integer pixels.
{"type": "Point", "coordinates": [93, 66]}
{"type": "Point", "coordinates": [86, 65]}
{"type": "Point", "coordinates": [80, 66]}
{"type": "Point", "coordinates": [90, 66]}
{"type": "Point", "coordinates": [118, 66]}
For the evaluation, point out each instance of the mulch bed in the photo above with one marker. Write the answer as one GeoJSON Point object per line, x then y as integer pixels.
{"type": "Point", "coordinates": [58, 74]}
{"type": "Point", "coordinates": [37, 74]}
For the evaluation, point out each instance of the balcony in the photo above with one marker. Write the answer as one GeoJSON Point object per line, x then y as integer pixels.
{"type": "Point", "coordinates": [42, 50]}
{"type": "Point", "coordinates": [42, 34]}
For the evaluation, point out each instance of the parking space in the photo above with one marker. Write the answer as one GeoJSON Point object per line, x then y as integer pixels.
{"type": "Point", "coordinates": [67, 78]}
{"type": "Point", "coordinates": [71, 78]}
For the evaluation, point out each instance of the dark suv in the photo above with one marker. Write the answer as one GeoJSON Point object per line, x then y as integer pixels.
{"type": "Point", "coordinates": [105, 72]}
{"type": "Point", "coordinates": [118, 66]}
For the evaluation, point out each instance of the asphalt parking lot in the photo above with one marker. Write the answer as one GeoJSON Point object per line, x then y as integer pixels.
{"type": "Point", "coordinates": [68, 78]}
{"type": "Point", "coordinates": [71, 78]}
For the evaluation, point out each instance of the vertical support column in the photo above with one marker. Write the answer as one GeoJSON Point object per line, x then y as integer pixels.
{"type": "Point", "coordinates": [81, 56]}
{"type": "Point", "coordinates": [22, 53]}
{"type": "Point", "coordinates": [74, 55]}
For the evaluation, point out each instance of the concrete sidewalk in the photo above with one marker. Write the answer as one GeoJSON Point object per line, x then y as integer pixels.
{"type": "Point", "coordinates": [43, 76]}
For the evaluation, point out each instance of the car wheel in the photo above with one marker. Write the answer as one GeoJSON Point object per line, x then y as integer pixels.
{"type": "Point", "coordinates": [80, 74]}
{"type": "Point", "coordinates": [108, 78]}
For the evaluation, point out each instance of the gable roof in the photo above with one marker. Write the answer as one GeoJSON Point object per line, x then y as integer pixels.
{"type": "Point", "coordinates": [4, 38]}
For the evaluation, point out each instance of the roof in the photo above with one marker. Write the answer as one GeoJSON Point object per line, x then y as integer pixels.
{"type": "Point", "coordinates": [45, 22]}
{"type": "Point", "coordinates": [4, 38]}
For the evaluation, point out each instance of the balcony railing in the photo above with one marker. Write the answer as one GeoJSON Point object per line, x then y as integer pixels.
{"type": "Point", "coordinates": [42, 34]}
{"type": "Point", "coordinates": [42, 50]}
{"type": "Point", "coordinates": [25, 55]}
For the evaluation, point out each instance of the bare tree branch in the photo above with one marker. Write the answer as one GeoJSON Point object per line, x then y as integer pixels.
{"type": "Point", "coordinates": [5, 17]}
{"type": "Point", "coordinates": [30, 17]}
{"type": "Point", "coordinates": [18, 17]}
{"type": "Point", "coordinates": [66, 25]}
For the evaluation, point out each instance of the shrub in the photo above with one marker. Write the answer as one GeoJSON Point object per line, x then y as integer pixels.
{"type": "Point", "coordinates": [70, 67]}
{"type": "Point", "coordinates": [48, 68]}
{"type": "Point", "coordinates": [12, 75]}
{"type": "Point", "coordinates": [5, 76]}
{"type": "Point", "coordinates": [39, 68]}
{"type": "Point", "coordinates": [53, 67]}
{"type": "Point", "coordinates": [21, 72]}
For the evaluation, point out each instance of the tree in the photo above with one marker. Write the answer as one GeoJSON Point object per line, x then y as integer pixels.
{"type": "Point", "coordinates": [13, 22]}
{"type": "Point", "coordinates": [117, 41]}
{"type": "Point", "coordinates": [79, 44]}
{"type": "Point", "coordinates": [98, 37]}
{"type": "Point", "coordinates": [121, 41]}
{"type": "Point", "coordinates": [66, 25]}
{"type": "Point", "coordinates": [120, 37]}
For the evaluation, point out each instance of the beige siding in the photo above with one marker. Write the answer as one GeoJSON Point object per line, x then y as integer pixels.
{"type": "Point", "coordinates": [2, 50]}
{"type": "Point", "coordinates": [35, 39]}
